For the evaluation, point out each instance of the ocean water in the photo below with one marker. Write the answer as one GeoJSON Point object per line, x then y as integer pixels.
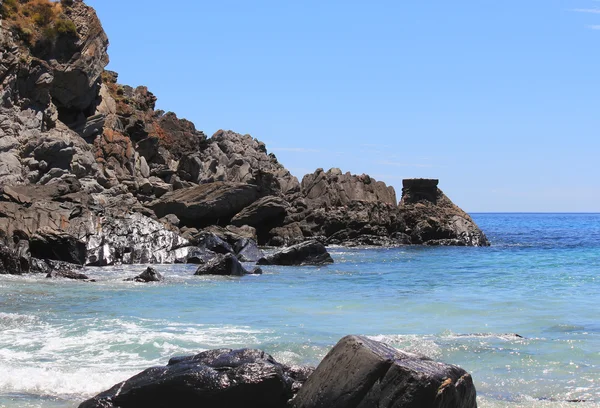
{"type": "Point", "coordinates": [64, 341]}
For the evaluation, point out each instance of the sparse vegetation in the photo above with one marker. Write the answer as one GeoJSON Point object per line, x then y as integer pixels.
{"type": "Point", "coordinates": [38, 21]}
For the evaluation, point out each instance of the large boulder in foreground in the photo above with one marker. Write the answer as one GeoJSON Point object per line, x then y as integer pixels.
{"type": "Point", "coordinates": [362, 373]}
{"type": "Point", "coordinates": [305, 253]}
{"type": "Point", "coordinates": [149, 275]}
{"type": "Point", "coordinates": [432, 219]}
{"type": "Point", "coordinates": [222, 378]}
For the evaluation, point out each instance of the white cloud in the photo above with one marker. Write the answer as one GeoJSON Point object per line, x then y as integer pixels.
{"type": "Point", "coordinates": [594, 27]}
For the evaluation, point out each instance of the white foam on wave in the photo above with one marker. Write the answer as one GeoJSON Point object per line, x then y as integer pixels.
{"type": "Point", "coordinates": [75, 360]}
{"type": "Point", "coordinates": [424, 345]}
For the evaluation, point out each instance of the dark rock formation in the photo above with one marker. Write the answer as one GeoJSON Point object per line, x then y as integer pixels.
{"type": "Point", "coordinates": [59, 246]}
{"type": "Point", "coordinates": [11, 263]}
{"type": "Point", "coordinates": [246, 250]}
{"type": "Point", "coordinates": [222, 378]}
{"type": "Point", "coordinates": [359, 372]}
{"type": "Point", "coordinates": [432, 219]}
{"type": "Point", "coordinates": [87, 165]}
{"type": "Point", "coordinates": [305, 253]}
{"type": "Point", "coordinates": [225, 265]}
{"type": "Point", "coordinates": [211, 242]}
{"type": "Point", "coordinates": [206, 204]}
{"type": "Point", "coordinates": [149, 275]}
{"type": "Point", "coordinates": [67, 273]}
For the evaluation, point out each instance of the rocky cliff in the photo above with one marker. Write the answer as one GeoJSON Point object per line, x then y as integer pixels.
{"type": "Point", "coordinates": [85, 157]}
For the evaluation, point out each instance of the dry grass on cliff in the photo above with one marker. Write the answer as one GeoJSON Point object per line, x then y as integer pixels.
{"type": "Point", "coordinates": [37, 20]}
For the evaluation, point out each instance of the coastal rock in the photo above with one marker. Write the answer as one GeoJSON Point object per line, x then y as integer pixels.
{"type": "Point", "coordinates": [206, 204]}
{"type": "Point", "coordinates": [11, 263]}
{"type": "Point", "coordinates": [222, 378]}
{"type": "Point", "coordinates": [262, 213]}
{"type": "Point", "coordinates": [211, 242]}
{"type": "Point", "coordinates": [229, 156]}
{"type": "Point", "coordinates": [432, 219]}
{"type": "Point", "coordinates": [334, 189]}
{"type": "Point", "coordinates": [246, 250]}
{"type": "Point", "coordinates": [149, 275]}
{"type": "Point", "coordinates": [58, 246]}
{"type": "Point", "coordinates": [305, 253]}
{"type": "Point", "coordinates": [224, 265]}
{"type": "Point", "coordinates": [362, 373]}
{"type": "Point", "coordinates": [66, 272]}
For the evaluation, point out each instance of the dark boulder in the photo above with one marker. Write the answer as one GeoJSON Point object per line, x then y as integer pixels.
{"type": "Point", "coordinates": [211, 242]}
{"type": "Point", "coordinates": [149, 275]}
{"type": "Point", "coordinates": [305, 253]}
{"type": "Point", "coordinates": [362, 373]}
{"type": "Point", "coordinates": [222, 265]}
{"type": "Point", "coordinates": [247, 250]}
{"type": "Point", "coordinates": [222, 378]}
{"type": "Point", "coordinates": [58, 246]}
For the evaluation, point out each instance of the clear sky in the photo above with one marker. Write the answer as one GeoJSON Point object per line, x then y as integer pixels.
{"type": "Point", "coordinates": [497, 99]}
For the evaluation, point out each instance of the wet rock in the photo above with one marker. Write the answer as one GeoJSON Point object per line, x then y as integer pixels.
{"type": "Point", "coordinates": [225, 265]}
{"type": "Point", "coordinates": [59, 269]}
{"type": "Point", "coordinates": [246, 250]}
{"type": "Point", "coordinates": [432, 219]}
{"type": "Point", "coordinates": [362, 373]}
{"type": "Point", "coordinates": [149, 275]}
{"type": "Point", "coordinates": [305, 253]}
{"type": "Point", "coordinates": [59, 246]}
{"type": "Point", "coordinates": [221, 378]}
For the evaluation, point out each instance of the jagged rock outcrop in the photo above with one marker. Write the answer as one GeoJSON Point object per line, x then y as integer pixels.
{"type": "Point", "coordinates": [89, 160]}
{"type": "Point", "coordinates": [359, 372]}
{"type": "Point", "coordinates": [337, 208]}
{"type": "Point", "coordinates": [222, 378]}
{"type": "Point", "coordinates": [432, 219]}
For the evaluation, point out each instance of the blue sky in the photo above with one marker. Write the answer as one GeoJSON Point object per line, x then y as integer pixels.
{"type": "Point", "coordinates": [499, 100]}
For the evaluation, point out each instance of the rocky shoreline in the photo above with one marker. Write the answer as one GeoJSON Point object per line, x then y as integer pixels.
{"type": "Point", "coordinates": [92, 174]}
{"type": "Point", "coordinates": [357, 372]}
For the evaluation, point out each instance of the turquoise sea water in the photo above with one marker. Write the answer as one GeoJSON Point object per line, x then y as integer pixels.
{"type": "Point", "coordinates": [63, 341]}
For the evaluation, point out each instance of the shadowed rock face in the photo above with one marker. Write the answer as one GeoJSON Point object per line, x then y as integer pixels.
{"type": "Point", "coordinates": [221, 378]}
{"type": "Point", "coordinates": [362, 373]}
{"type": "Point", "coordinates": [432, 219]}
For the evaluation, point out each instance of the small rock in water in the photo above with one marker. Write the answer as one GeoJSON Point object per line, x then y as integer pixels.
{"type": "Point", "coordinates": [149, 275]}
{"type": "Point", "coordinates": [222, 265]}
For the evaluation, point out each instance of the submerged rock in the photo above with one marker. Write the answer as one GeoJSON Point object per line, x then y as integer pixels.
{"type": "Point", "coordinates": [222, 378]}
{"type": "Point", "coordinates": [362, 373]}
{"type": "Point", "coordinates": [149, 275]}
{"type": "Point", "coordinates": [305, 253]}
